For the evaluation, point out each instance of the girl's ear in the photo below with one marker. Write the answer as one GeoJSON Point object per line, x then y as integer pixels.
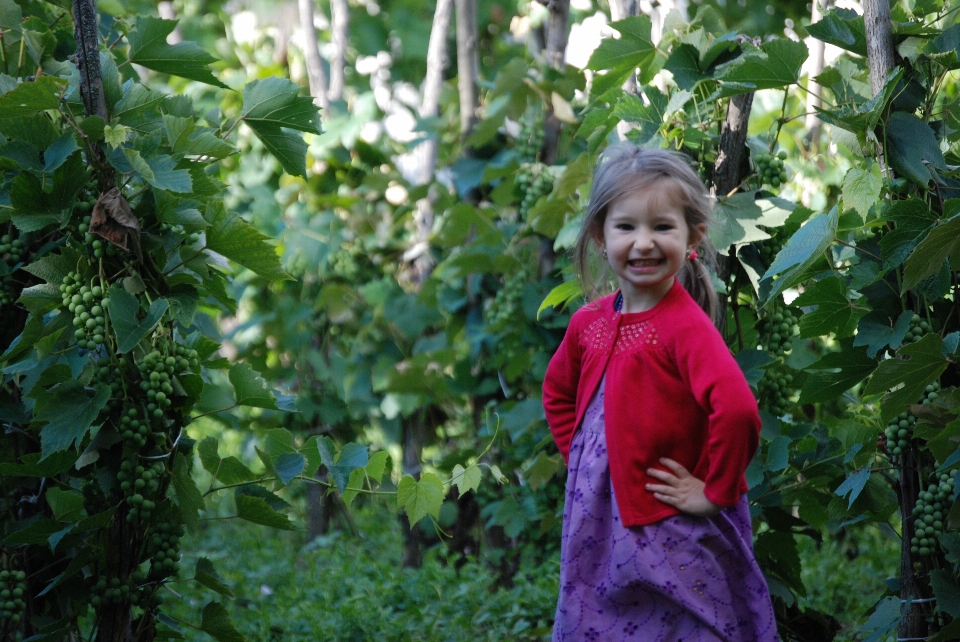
{"type": "Point", "coordinates": [697, 234]}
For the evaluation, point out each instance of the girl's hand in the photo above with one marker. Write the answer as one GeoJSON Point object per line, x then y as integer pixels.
{"type": "Point", "coordinates": [681, 490]}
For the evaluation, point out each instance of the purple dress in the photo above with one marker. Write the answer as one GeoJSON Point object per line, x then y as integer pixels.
{"type": "Point", "coordinates": [685, 578]}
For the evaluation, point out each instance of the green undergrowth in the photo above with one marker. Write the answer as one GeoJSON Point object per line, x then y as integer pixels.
{"type": "Point", "coordinates": [846, 575]}
{"type": "Point", "coordinates": [343, 587]}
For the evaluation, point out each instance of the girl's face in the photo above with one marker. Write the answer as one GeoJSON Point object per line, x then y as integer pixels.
{"type": "Point", "coordinates": [647, 240]}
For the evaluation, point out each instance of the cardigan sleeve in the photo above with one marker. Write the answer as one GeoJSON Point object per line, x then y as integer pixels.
{"type": "Point", "coordinates": [560, 389]}
{"type": "Point", "coordinates": [733, 431]}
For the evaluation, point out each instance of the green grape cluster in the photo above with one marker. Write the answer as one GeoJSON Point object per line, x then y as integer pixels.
{"type": "Point", "coordinates": [771, 169]}
{"type": "Point", "coordinates": [533, 182]}
{"type": "Point", "coordinates": [343, 263]}
{"type": "Point", "coordinates": [85, 204]}
{"type": "Point", "coordinates": [12, 249]}
{"type": "Point", "coordinates": [918, 328]}
{"type": "Point", "coordinates": [116, 591]}
{"type": "Point", "coordinates": [769, 248]}
{"type": "Point", "coordinates": [930, 510]}
{"type": "Point", "coordinates": [139, 485]}
{"type": "Point", "coordinates": [530, 138]}
{"type": "Point", "coordinates": [775, 392]}
{"type": "Point", "coordinates": [163, 549]}
{"type": "Point", "coordinates": [777, 329]}
{"type": "Point", "coordinates": [88, 305]}
{"type": "Point", "coordinates": [13, 585]}
{"type": "Point", "coordinates": [177, 230]}
{"type": "Point", "coordinates": [109, 374]}
{"type": "Point", "coordinates": [157, 369]}
{"type": "Point", "coordinates": [501, 311]}
{"type": "Point", "coordinates": [7, 289]}
{"type": "Point", "coordinates": [134, 429]}
{"type": "Point", "coordinates": [899, 430]}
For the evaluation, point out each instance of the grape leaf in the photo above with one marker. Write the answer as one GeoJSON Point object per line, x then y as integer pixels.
{"type": "Point", "coordinates": [68, 409]}
{"type": "Point", "coordinates": [67, 505]}
{"type": "Point", "coordinates": [843, 28]}
{"type": "Point", "coordinates": [560, 296]}
{"type": "Point", "coordinates": [124, 309]}
{"type": "Point", "coordinates": [833, 312]}
{"type": "Point", "coordinates": [228, 470]}
{"type": "Point", "coordinates": [775, 64]}
{"type": "Point", "coordinates": [912, 218]}
{"type": "Point", "coordinates": [58, 152]}
{"type": "Point", "coordinates": [621, 57]}
{"type": "Point", "coordinates": [913, 148]}
{"type": "Point", "coordinates": [420, 498]}
{"type": "Point", "coordinates": [853, 485]}
{"type": "Point", "coordinates": [861, 188]}
{"type": "Point", "coordinates": [947, 591]}
{"type": "Point", "coordinates": [924, 365]}
{"type": "Point", "coordinates": [542, 470]}
{"type": "Point", "coordinates": [205, 574]}
{"type": "Point", "coordinates": [272, 107]}
{"type": "Point", "coordinates": [800, 252]}
{"type": "Point", "coordinates": [876, 335]}
{"type": "Point", "coordinates": [149, 48]}
{"type": "Point", "coordinates": [834, 374]}
{"type": "Point", "coordinates": [289, 465]}
{"type": "Point", "coordinates": [189, 140]}
{"type": "Point", "coordinates": [215, 621]}
{"type": "Point", "coordinates": [237, 240]}
{"type": "Point", "coordinates": [256, 510]}
{"type": "Point", "coordinates": [352, 456]}
{"type": "Point", "coordinates": [185, 490]}
{"type": "Point", "coordinates": [160, 171]}
{"type": "Point", "coordinates": [376, 464]}
{"type": "Point", "coordinates": [32, 97]}
{"type": "Point", "coordinates": [466, 479]}
{"type": "Point", "coordinates": [943, 242]}
{"type": "Point", "coordinates": [250, 388]}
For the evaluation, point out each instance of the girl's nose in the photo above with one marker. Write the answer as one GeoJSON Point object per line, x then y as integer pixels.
{"type": "Point", "coordinates": [643, 240]}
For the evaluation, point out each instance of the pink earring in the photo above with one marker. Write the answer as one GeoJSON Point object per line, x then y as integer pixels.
{"type": "Point", "coordinates": [692, 255]}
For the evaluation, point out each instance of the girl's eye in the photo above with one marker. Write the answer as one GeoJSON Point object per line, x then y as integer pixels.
{"type": "Point", "coordinates": [663, 227]}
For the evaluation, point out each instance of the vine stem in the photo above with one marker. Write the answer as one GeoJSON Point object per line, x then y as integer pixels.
{"type": "Point", "coordinates": [859, 249]}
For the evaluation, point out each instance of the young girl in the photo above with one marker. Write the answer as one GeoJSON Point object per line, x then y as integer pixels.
{"type": "Point", "coordinates": [657, 425]}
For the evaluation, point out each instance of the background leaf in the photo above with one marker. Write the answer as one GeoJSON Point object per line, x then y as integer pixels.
{"type": "Point", "coordinates": [149, 48]}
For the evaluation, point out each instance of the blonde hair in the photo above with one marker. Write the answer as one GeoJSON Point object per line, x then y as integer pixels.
{"type": "Point", "coordinates": [624, 169]}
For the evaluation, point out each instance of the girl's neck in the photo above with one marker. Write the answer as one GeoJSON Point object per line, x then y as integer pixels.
{"type": "Point", "coordinates": [633, 302]}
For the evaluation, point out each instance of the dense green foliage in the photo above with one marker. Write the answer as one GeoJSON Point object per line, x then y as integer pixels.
{"type": "Point", "coordinates": [126, 270]}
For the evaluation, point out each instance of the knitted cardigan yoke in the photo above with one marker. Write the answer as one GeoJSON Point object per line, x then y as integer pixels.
{"type": "Point", "coordinates": [672, 390]}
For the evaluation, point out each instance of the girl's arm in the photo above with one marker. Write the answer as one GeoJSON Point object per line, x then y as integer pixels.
{"type": "Point", "coordinates": [560, 390]}
{"type": "Point", "coordinates": [733, 431]}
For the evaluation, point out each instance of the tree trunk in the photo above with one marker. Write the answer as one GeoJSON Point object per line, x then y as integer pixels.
{"type": "Point", "coordinates": [558, 33]}
{"type": "Point", "coordinates": [413, 437]}
{"type": "Point", "coordinates": [316, 76]}
{"type": "Point", "coordinates": [880, 56]}
{"type": "Point", "coordinates": [728, 173]}
{"type": "Point", "coordinates": [468, 65]}
{"type": "Point", "coordinates": [91, 81]}
{"type": "Point", "coordinates": [419, 255]}
{"type": "Point", "coordinates": [340, 24]}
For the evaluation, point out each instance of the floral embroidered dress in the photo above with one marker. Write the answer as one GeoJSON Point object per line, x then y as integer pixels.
{"type": "Point", "coordinates": [690, 579]}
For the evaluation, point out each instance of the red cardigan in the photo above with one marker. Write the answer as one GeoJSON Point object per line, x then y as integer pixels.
{"type": "Point", "coordinates": [672, 390]}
